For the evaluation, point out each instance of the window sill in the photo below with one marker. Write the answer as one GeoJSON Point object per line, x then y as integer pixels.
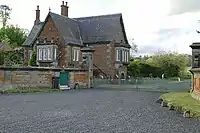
{"type": "Point", "coordinates": [45, 61]}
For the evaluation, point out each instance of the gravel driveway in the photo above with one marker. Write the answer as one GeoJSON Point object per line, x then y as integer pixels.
{"type": "Point", "coordinates": [90, 111]}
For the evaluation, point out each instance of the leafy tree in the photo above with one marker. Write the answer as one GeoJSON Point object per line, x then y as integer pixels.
{"type": "Point", "coordinates": [5, 14]}
{"type": "Point", "coordinates": [15, 34]}
{"type": "Point", "coordinates": [171, 64]}
{"type": "Point", "coordinates": [133, 68]}
{"type": "Point", "coordinates": [32, 61]}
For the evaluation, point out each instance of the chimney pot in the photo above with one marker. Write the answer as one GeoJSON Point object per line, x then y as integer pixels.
{"type": "Point", "coordinates": [66, 3]}
{"type": "Point", "coordinates": [63, 2]}
{"type": "Point", "coordinates": [38, 7]}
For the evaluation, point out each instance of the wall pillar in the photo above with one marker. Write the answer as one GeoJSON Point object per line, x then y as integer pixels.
{"type": "Point", "coordinates": [87, 54]}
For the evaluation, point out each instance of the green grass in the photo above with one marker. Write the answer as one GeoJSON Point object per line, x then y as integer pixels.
{"type": "Point", "coordinates": [183, 100]}
{"type": "Point", "coordinates": [10, 91]}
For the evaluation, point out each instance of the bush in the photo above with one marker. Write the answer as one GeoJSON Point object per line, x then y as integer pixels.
{"type": "Point", "coordinates": [32, 61]}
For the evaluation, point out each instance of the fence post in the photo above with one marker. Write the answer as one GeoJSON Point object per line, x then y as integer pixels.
{"type": "Point", "coordinates": [136, 81]}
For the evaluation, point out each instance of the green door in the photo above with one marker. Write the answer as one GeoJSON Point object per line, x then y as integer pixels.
{"type": "Point", "coordinates": [64, 78]}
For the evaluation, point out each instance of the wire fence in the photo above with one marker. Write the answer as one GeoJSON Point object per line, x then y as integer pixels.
{"type": "Point", "coordinates": [147, 84]}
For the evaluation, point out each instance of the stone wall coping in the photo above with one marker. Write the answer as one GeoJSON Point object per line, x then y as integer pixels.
{"type": "Point", "coordinates": [195, 95]}
{"type": "Point", "coordinates": [195, 70]}
{"type": "Point", "coordinates": [30, 68]}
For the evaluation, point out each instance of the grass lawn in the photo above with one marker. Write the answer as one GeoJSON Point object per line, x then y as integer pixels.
{"type": "Point", "coordinates": [10, 91]}
{"type": "Point", "coordinates": [183, 100]}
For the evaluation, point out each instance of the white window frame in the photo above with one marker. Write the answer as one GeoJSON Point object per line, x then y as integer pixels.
{"type": "Point", "coordinates": [74, 54]}
{"type": "Point", "coordinates": [123, 55]}
{"type": "Point", "coordinates": [117, 54]}
{"type": "Point", "coordinates": [128, 56]}
{"type": "Point", "coordinates": [40, 53]}
{"type": "Point", "coordinates": [77, 55]}
{"type": "Point", "coordinates": [45, 54]}
{"type": "Point", "coordinates": [49, 53]}
{"type": "Point", "coordinates": [55, 53]}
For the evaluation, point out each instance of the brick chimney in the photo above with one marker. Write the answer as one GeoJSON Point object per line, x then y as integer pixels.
{"type": "Point", "coordinates": [37, 19]}
{"type": "Point", "coordinates": [64, 9]}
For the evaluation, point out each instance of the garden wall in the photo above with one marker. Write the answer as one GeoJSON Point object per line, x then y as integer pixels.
{"type": "Point", "coordinates": [37, 77]}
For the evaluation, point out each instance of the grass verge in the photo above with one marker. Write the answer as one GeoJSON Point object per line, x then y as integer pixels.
{"type": "Point", "coordinates": [183, 100]}
{"type": "Point", "coordinates": [10, 91]}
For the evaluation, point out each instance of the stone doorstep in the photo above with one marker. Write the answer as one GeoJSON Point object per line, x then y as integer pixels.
{"type": "Point", "coordinates": [65, 87]}
{"type": "Point", "coordinates": [186, 114]}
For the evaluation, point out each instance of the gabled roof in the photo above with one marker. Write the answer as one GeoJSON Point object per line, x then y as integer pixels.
{"type": "Point", "coordinates": [94, 29]}
{"type": "Point", "coordinates": [33, 34]}
{"type": "Point", "coordinates": [102, 28]}
{"type": "Point", "coordinates": [68, 28]}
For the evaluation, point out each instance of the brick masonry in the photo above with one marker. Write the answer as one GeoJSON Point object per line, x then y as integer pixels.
{"type": "Point", "coordinates": [39, 78]}
{"type": "Point", "coordinates": [104, 55]}
{"type": "Point", "coordinates": [195, 84]}
{"type": "Point", "coordinates": [105, 58]}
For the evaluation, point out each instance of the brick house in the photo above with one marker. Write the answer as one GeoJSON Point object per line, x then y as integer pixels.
{"type": "Point", "coordinates": [58, 40]}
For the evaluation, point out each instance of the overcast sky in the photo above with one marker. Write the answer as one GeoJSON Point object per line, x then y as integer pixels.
{"type": "Point", "coordinates": [168, 25]}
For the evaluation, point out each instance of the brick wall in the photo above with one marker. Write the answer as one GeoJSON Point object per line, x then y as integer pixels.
{"type": "Point", "coordinates": [104, 58]}
{"type": "Point", "coordinates": [39, 77]}
{"type": "Point", "coordinates": [49, 30]}
{"type": "Point", "coordinates": [196, 82]}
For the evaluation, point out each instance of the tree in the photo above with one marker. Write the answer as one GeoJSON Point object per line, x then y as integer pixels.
{"type": "Point", "coordinates": [5, 14]}
{"type": "Point", "coordinates": [32, 61]}
{"type": "Point", "coordinates": [15, 34]}
{"type": "Point", "coordinates": [134, 47]}
{"type": "Point", "coordinates": [171, 64]}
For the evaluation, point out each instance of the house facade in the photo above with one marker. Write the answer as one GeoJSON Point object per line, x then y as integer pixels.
{"type": "Point", "coordinates": [58, 41]}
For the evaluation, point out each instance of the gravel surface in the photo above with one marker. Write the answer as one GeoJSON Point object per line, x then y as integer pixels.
{"type": "Point", "coordinates": [90, 111]}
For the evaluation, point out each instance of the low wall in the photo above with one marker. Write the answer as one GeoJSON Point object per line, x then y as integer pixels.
{"type": "Point", "coordinates": [37, 77]}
